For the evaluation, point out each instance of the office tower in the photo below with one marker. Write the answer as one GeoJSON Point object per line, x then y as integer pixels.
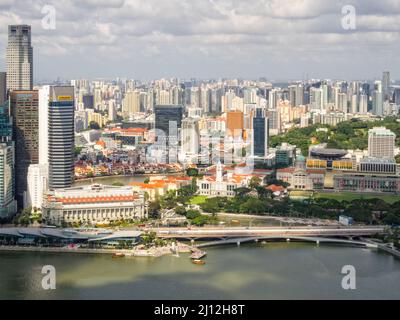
{"type": "Point", "coordinates": [167, 116]}
{"type": "Point", "coordinates": [190, 136]}
{"type": "Point", "coordinates": [168, 122]}
{"type": "Point", "coordinates": [235, 123]}
{"type": "Point", "coordinates": [88, 101]}
{"type": "Point", "coordinates": [260, 134]}
{"type": "Point", "coordinates": [377, 99]}
{"type": "Point", "coordinates": [19, 58]}
{"type": "Point", "coordinates": [363, 105]}
{"type": "Point", "coordinates": [3, 88]}
{"type": "Point", "coordinates": [8, 205]}
{"type": "Point", "coordinates": [37, 185]}
{"type": "Point", "coordinates": [381, 143]}
{"type": "Point", "coordinates": [274, 121]}
{"type": "Point", "coordinates": [397, 96]}
{"type": "Point", "coordinates": [386, 85]}
{"type": "Point", "coordinates": [56, 134]}
{"type": "Point", "coordinates": [25, 114]}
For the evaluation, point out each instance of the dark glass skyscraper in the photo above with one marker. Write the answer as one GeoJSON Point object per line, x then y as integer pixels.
{"type": "Point", "coordinates": [168, 121]}
{"type": "Point", "coordinates": [25, 114]}
{"type": "Point", "coordinates": [260, 134]}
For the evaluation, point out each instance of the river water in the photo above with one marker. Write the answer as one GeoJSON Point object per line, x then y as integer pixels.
{"type": "Point", "coordinates": [262, 271]}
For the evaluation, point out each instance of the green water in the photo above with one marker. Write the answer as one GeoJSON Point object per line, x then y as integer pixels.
{"type": "Point", "coordinates": [271, 271]}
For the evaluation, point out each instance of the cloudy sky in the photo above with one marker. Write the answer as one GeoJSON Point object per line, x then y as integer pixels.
{"type": "Point", "coordinates": [145, 39]}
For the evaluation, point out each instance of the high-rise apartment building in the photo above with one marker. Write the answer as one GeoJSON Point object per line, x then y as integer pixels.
{"type": "Point", "coordinates": [25, 114]}
{"type": "Point", "coordinates": [19, 58]}
{"type": "Point", "coordinates": [381, 143]}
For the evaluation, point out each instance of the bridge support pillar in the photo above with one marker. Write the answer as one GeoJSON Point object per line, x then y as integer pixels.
{"type": "Point", "coordinates": [238, 243]}
{"type": "Point", "coordinates": [287, 240]}
{"type": "Point", "coordinates": [318, 243]}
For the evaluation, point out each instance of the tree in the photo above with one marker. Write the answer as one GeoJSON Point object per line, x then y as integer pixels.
{"type": "Point", "coordinates": [154, 209]}
{"type": "Point", "coordinates": [242, 192]}
{"type": "Point", "coordinates": [192, 172]}
{"type": "Point", "coordinates": [255, 182]}
{"type": "Point", "coordinates": [193, 214]}
{"type": "Point", "coordinates": [180, 211]}
{"type": "Point", "coordinates": [94, 125]}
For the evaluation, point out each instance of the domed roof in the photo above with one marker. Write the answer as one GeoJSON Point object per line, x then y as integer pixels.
{"type": "Point", "coordinates": [301, 158]}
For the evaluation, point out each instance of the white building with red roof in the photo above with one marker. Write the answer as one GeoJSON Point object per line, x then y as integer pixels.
{"type": "Point", "coordinates": [95, 204]}
{"type": "Point", "coordinates": [224, 185]}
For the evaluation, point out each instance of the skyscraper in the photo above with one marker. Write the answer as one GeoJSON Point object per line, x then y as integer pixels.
{"type": "Point", "coordinates": [56, 134]}
{"type": "Point", "coordinates": [260, 134]}
{"type": "Point", "coordinates": [19, 58]}
{"type": "Point", "coordinates": [3, 88]}
{"type": "Point", "coordinates": [234, 123]}
{"type": "Point", "coordinates": [190, 136]}
{"type": "Point", "coordinates": [377, 99]}
{"type": "Point", "coordinates": [168, 121]}
{"type": "Point", "coordinates": [386, 85]}
{"type": "Point", "coordinates": [8, 205]}
{"type": "Point", "coordinates": [25, 114]}
{"type": "Point", "coordinates": [381, 142]}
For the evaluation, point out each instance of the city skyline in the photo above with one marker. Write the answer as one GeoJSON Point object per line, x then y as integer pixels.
{"type": "Point", "coordinates": [208, 39]}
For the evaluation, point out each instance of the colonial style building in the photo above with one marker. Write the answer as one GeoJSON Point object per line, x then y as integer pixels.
{"type": "Point", "coordinates": [96, 204]}
{"type": "Point", "coordinates": [220, 185]}
{"type": "Point", "coordinates": [301, 178]}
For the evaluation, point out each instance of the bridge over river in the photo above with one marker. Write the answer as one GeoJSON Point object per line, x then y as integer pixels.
{"type": "Point", "coordinates": [265, 233]}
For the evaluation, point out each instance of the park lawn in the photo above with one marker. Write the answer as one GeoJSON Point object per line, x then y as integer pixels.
{"type": "Point", "coordinates": [196, 200]}
{"type": "Point", "coordinates": [353, 196]}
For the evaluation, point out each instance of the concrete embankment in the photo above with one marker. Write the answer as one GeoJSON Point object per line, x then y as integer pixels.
{"type": "Point", "coordinates": [152, 252]}
{"type": "Point", "coordinates": [395, 253]}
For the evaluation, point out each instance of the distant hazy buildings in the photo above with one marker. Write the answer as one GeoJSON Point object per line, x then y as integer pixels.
{"type": "Point", "coordinates": [19, 58]}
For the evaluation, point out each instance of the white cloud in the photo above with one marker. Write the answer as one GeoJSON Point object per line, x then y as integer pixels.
{"type": "Point", "coordinates": [208, 31]}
